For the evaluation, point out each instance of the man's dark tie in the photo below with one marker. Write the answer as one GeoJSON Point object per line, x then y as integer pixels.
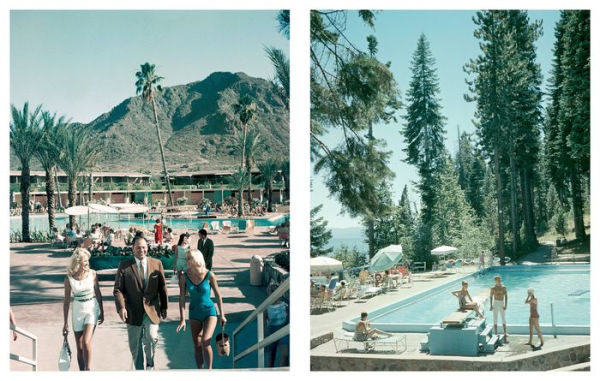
{"type": "Point", "coordinates": [143, 275]}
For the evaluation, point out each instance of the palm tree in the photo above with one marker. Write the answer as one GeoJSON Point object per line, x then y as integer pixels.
{"type": "Point", "coordinates": [245, 109]}
{"type": "Point", "coordinates": [48, 155]}
{"type": "Point", "coordinates": [285, 171]}
{"type": "Point", "coordinates": [147, 85]}
{"type": "Point", "coordinates": [283, 18]}
{"type": "Point", "coordinates": [281, 64]}
{"type": "Point", "coordinates": [79, 149]}
{"type": "Point", "coordinates": [25, 139]}
{"type": "Point", "coordinates": [268, 170]}
{"type": "Point", "coordinates": [239, 179]}
{"type": "Point", "coordinates": [254, 144]}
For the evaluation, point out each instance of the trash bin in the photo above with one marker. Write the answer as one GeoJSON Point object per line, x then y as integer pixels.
{"type": "Point", "coordinates": [256, 269]}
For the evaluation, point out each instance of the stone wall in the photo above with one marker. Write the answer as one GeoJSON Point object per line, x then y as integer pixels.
{"type": "Point", "coordinates": [273, 272]}
{"type": "Point", "coordinates": [553, 359]}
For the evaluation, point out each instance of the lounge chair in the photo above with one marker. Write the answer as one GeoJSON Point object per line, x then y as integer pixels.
{"type": "Point", "coordinates": [344, 342]}
{"type": "Point", "coordinates": [226, 227]}
{"type": "Point", "coordinates": [458, 265]}
{"type": "Point", "coordinates": [249, 226]}
{"type": "Point", "coordinates": [214, 227]}
{"type": "Point", "coordinates": [206, 226]}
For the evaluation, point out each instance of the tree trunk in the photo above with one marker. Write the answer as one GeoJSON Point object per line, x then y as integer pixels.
{"type": "Point", "coordinates": [249, 169]}
{"type": "Point", "coordinates": [72, 190]}
{"type": "Point", "coordinates": [371, 237]}
{"type": "Point", "coordinates": [242, 162]}
{"type": "Point", "coordinates": [514, 223]}
{"type": "Point", "coordinates": [50, 199]}
{"type": "Point", "coordinates": [58, 187]}
{"type": "Point", "coordinates": [269, 194]}
{"type": "Point", "coordinates": [530, 238]}
{"type": "Point", "coordinates": [500, 204]}
{"type": "Point", "coordinates": [25, 184]}
{"type": "Point", "coordinates": [577, 204]}
{"type": "Point", "coordinates": [162, 153]}
{"type": "Point", "coordinates": [91, 187]}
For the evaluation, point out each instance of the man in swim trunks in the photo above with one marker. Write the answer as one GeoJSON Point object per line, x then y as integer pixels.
{"type": "Point", "coordinates": [498, 303]}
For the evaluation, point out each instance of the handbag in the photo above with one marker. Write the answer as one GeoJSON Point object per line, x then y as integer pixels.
{"type": "Point", "coordinates": [64, 357]}
{"type": "Point", "coordinates": [223, 346]}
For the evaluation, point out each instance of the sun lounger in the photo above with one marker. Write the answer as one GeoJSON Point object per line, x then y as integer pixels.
{"type": "Point", "coordinates": [392, 343]}
{"type": "Point", "coordinates": [249, 226]}
{"type": "Point", "coordinates": [368, 291]}
{"type": "Point", "coordinates": [226, 227]}
{"type": "Point", "coordinates": [214, 227]}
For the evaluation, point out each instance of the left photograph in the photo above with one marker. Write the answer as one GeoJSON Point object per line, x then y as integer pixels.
{"type": "Point", "coordinates": [149, 190]}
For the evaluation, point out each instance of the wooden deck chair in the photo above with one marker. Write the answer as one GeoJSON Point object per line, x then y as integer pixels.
{"type": "Point", "coordinates": [226, 227]}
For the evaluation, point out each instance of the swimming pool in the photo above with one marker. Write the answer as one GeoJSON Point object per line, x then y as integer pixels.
{"type": "Point", "coordinates": [567, 287]}
{"type": "Point", "coordinates": [40, 222]}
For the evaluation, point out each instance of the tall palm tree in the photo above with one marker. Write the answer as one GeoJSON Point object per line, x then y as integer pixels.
{"type": "Point", "coordinates": [281, 64]}
{"type": "Point", "coordinates": [268, 170]}
{"type": "Point", "coordinates": [254, 143]}
{"type": "Point", "coordinates": [79, 149]}
{"type": "Point", "coordinates": [239, 179]}
{"type": "Point", "coordinates": [147, 85]}
{"type": "Point", "coordinates": [25, 139]}
{"type": "Point", "coordinates": [245, 109]}
{"type": "Point", "coordinates": [48, 155]}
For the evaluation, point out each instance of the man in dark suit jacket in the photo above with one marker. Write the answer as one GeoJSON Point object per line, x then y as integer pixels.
{"type": "Point", "coordinates": [141, 298]}
{"type": "Point", "coordinates": [206, 247]}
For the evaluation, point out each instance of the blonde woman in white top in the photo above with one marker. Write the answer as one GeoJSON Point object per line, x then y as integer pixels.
{"type": "Point", "coordinates": [81, 283]}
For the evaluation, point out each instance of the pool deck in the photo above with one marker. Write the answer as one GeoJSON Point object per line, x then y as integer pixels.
{"type": "Point", "coordinates": [37, 273]}
{"type": "Point", "coordinates": [327, 322]}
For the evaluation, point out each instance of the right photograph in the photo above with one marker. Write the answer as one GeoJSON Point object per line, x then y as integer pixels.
{"type": "Point", "coordinates": [450, 190]}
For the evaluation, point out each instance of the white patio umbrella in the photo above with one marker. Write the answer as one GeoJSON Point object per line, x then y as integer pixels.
{"type": "Point", "coordinates": [80, 210]}
{"type": "Point", "coordinates": [386, 258]}
{"type": "Point", "coordinates": [442, 251]}
{"type": "Point", "coordinates": [325, 264]}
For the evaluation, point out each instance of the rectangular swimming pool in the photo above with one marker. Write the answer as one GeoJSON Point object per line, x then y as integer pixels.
{"type": "Point", "coordinates": [567, 287]}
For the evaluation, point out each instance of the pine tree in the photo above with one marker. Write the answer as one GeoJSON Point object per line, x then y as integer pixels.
{"type": "Point", "coordinates": [424, 132]}
{"type": "Point", "coordinates": [319, 234]}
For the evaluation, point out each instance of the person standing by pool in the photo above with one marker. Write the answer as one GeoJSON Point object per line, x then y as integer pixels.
{"type": "Point", "coordinates": [498, 304]}
{"type": "Point", "coordinates": [82, 284]}
{"type": "Point", "coordinates": [158, 231]}
{"type": "Point", "coordinates": [534, 317]}
{"type": "Point", "coordinates": [198, 280]}
{"type": "Point", "coordinates": [141, 299]}
{"type": "Point", "coordinates": [206, 247]}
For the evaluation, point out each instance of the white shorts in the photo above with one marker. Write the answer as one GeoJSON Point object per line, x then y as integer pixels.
{"type": "Point", "coordinates": [498, 306]}
{"type": "Point", "coordinates": [85, 313]}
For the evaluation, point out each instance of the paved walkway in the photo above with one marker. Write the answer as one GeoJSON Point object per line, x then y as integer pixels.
{"type": "Point", "coordinates": [37, 274]}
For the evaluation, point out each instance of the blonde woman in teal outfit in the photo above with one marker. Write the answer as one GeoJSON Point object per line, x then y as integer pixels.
{"type": "Point", "coordinates": [198, 281]}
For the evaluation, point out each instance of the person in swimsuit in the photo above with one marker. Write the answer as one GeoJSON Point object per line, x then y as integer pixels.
{"type": "Point", "coordinates": [179, 262]}
{"type": "Point", "coordinates": [203, 316]}
{"type": "Point", "coordinates": [462, 296]}
{"type": "Point", "coordinates": [534, 317]}
{"type": "Point", "coordinates": [82, 284]}
{"type": "Point", "coordinates": [364, 332]}
{"type": "Point", "coordinates": [158, 231]}
{"type": "Point", "coordinates": [498, 303]}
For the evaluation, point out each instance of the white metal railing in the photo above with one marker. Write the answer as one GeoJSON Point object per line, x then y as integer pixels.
{"type": "Point", "coordinates": [259, 316]}
{"type": "Point", "coordinates": [25, 360]}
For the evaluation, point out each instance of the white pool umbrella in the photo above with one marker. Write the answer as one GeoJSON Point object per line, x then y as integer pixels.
{"type": "Point", "coordinates": [442, 251]}
{"type": "Point", "coordinates": [386, 258]}
{"type": "Point", "coordinates": [77, 210]}
{"type": "Point", "coordinates": [325, 264]}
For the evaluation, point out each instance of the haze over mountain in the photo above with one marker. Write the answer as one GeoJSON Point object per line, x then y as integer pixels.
{"type": "Point", "coordinates": [197, 123]}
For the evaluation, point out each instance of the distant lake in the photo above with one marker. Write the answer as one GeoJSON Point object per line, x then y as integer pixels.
{"type": "Point", "coordinates": [351, 237]}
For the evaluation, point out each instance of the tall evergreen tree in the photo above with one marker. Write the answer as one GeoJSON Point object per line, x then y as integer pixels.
{"type": "Point", "coordinates": [568, 117]}
{"type": "Point", "coordinates": [424, 131]}
{"type": "Point", "coordinates": [319, 233]}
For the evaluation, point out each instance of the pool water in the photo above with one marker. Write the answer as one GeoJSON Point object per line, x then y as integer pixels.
{"type": "Point", "coordinates": [40, 222]}
{"type": "Point", "coordinates": [567, 287]}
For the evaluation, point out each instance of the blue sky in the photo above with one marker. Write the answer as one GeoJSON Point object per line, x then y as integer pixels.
{"type": "Point", "coordinates": [83, 63]}
{"type": "Point", "coordinates": [450, 34]}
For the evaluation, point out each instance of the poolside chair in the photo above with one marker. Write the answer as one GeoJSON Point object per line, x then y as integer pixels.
{"type": "Point", "coordinates": [458, 265]}
{"type": "Point", "coordinates": [250, 226]}
{"type": "Point", "coordinates": [214, 227]}
{"type": "Point", "coordinates": [206, 226]}
{"type": "Point", "coordinates": [393, 343]}
{"type": "Point", "coordinates": [226, 227]}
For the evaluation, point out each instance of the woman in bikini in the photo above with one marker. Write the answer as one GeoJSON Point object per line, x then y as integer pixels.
{"type": "Point", "coordinates": [462, 296]}
{"type": "Point", "coordinates": [198, 280]}
{"type": "Point", "coordinates": [534, 317]}
{"type": "Point", "coordinates": [364, 332]}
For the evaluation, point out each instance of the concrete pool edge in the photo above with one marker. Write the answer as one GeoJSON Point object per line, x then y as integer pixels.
{"type": "Point", "coordinates": [350, 324]}
{"type": "Point", "coordinates": [533, 361]}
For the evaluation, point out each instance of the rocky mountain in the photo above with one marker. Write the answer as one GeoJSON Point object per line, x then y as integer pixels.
{"type": "Point", "coordinates": [197, 123]}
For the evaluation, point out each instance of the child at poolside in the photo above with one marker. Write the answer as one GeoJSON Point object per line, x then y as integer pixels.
{"type": "Point", "coordinates": [534, 317]}
{"type": "Point", "coordinates": [462, 296]}
{"type": "Point", "coordinates": [364, 332]}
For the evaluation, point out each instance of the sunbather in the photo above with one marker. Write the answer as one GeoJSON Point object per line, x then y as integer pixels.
{"type": "Point", "coordinates": [462, 296]}
{"type": "Point", "coordinates": [364, 332]}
